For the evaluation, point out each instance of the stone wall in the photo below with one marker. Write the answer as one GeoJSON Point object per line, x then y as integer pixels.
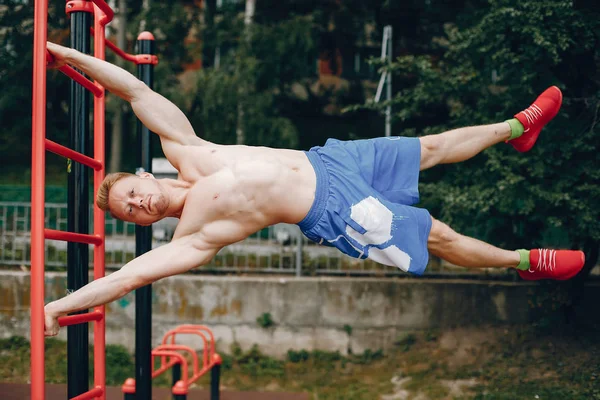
{"type": "Point", "coordinates": [308, 313]}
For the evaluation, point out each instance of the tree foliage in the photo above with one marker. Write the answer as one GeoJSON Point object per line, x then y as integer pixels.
{"type": "Point", "coordinates": [491, 67]}
{"type": "Point", "coordinates": [258, 65]}
{"type": "Point", "coordinates": [16, 53]}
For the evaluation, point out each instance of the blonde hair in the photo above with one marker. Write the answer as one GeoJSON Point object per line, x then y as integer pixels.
{"type": "Point", "coordinates": [106, 185]}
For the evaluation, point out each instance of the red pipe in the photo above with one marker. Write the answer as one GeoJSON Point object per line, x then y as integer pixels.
{"type": "Point", "coordinates": [80, 318]}
{"type": "Point", "coordinates": [76, 76]}
{"type": "Point", "coordinates": [201, 328]}
{"type": "Point", "coordinates": [40, 144]}
{"type": "Point", "coordinates": [193, 329]}
{"type": "Point", "coordinates": [72, 237]}
{"type": "Point", "coordinates": [172, 333]}
{"type": "Point", "coordinates": [181, 348]}
{"type": "Point", "coordinates": [174, 354]}
{"type": "Point", "coordinates": [82, 80]}
{"type": "Point", "coordinates": [38, 162]}
{"type": "Point", "coordinates": [82, 5]}
{"type": "Point", "coordinates": [164, 366]}
{"type": "Point", "coordinates": [72, 154]}
{"type": "Point", "coordinates": [134, 58]}
{"type": "Point", "coordinates": [99, 227]}
{"type": "Point", "coordinates": [108, 12]}
{"type": "Point", "coordinates": [91, 394]}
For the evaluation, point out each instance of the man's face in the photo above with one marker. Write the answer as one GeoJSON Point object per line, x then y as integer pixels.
{"type": "Point", "coordinates": [140, 199]}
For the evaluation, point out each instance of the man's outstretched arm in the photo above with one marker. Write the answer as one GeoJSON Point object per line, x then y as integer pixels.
{"type": "Point", "coordinates": [177, 257]}
{"type": "Point", "coordinates": [156, 112]}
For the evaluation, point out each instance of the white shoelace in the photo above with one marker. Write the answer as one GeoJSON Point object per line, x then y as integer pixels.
{"type": "Point", "coordinates": [547, 260]}
{"type": "Point", "coordinates": [532, 114]}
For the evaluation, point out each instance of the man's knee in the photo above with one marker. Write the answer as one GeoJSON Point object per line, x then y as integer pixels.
{"type": "Point", "coordinates": [440, 235]}
{"type": "Point", "coordinates": [431, 150]}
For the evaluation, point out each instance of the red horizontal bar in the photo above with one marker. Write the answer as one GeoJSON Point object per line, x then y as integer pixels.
{"type": "Point", "coordinates": [80, 318]}
{"type": "Point", "coordinates": [77, 77]}
{"type": "Point", "coordinates": [73, 237]}
{"type": "Point", "coordinates": [92, 394]}
{"type": "Point", "coordinates": [72, 154]}
{"type": "Point", "coordinates": [82, 80]}
{"type": "Point", "coordinates": [134, 58]}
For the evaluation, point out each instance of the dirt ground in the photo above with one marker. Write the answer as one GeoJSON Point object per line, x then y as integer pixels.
{"type": "Point", "coordinates": [491, 362]}
{"type": "Point", "coordinates": [494, 362]}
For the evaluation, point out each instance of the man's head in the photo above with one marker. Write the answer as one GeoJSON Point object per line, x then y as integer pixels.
{"type": "Point", "coordinates": [140, 199]}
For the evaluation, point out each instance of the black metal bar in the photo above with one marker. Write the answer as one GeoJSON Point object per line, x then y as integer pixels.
{"type": "Point", "coordinates": [143, 244]}
{"type": "Point", "coordinates": [208, 34]}
{"type": "Point", "coordinates": [176, 373]}
{"type": "Point", "coordinates": [129, 396]}
{"type": "Point", "coordinates": [78, 206]}
{"type": "Point", "coordinates": [215, 378]}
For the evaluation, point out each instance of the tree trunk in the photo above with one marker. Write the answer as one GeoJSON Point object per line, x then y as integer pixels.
{"type": "Point", "coordinates": [145, 8]}
{"type": "Point", "coordinates": [116, 148]}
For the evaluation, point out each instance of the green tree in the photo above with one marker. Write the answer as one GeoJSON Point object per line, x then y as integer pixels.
{"type": "Point", "coordinates": [258, 65]}
{"type": "Point", "coordinates": [16, 53]}
{"type": "Point", "coordinates": [492, 66]}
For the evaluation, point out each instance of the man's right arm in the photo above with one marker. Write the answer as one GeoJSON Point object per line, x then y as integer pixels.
{"type": "Point", "coordinates": [177, 257]}
{"type": "Point", "coordinates": [156, 112]}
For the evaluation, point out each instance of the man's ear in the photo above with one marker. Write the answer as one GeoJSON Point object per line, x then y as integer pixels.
{"type": "Point", "coordinates": [145, 175]}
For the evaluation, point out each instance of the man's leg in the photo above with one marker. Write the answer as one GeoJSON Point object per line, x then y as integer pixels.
{"type": "Point", "coordinates": [522, 132]}
{"type": "Point", "coordinates": [534, 264]}
{"type": "Point", "coordinates": [461, 144]}
{"type": "Point", "coordinates": [462, 250]}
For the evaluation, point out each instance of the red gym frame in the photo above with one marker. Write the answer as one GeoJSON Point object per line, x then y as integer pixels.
{"type": "Point", "coordinates": [103, 14]}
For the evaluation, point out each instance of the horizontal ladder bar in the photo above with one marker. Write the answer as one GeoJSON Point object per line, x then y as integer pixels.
{"type": "Point", "coordinates": [82, 80]}
{"type": "Point", "coordinates": [77, 77]}
{"type": "Point", "coordinates": [72, 237]}
{"type": "Point", "coordinates": [73, 155]}
{"type": "Point", "coordinates": [80, 318]}
{"type": "Point", "coordinates": [91, 394]}
{"type": "Point", "coordinates": [134, 58]}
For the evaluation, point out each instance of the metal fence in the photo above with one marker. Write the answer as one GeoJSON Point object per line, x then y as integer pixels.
{"type": "Point", "coordinates": [279, 249]}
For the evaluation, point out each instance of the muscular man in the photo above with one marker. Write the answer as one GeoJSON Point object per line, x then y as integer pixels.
{"type": "Point", "coordinates": [357, 196]}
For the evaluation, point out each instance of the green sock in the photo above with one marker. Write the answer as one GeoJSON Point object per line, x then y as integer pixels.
{"type": "Point", "coordinates": [516, 128]}
{"type": "Point", "coordinates": [524, 263]}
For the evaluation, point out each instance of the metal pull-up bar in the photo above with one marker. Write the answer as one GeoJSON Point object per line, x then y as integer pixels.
{"type": "Point", "coordinates": [40, 144]}
{"type": "Point", "coordinates": [77, 77]}
{"type": "Point", "coordinates": [77, 235]}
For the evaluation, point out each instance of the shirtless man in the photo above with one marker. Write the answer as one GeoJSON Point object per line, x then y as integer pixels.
{"type": "Point", "coordinates": [355, 195]}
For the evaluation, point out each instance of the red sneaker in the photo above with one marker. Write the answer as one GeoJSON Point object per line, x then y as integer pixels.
{"type": "Point", "coordinates": [533, 118]}
{"type": "Point", "coordinates": [553, 264]}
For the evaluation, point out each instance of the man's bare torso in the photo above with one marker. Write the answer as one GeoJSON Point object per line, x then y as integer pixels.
{"type": "Point", "coordinates": [238, 190]}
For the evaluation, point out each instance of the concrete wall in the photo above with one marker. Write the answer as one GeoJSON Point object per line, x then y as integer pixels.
{"type": "Point", "coordinates": [309, 313]}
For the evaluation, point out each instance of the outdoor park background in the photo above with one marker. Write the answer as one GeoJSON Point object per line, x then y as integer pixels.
{"type": "Point", "coordinates": [298, 72]}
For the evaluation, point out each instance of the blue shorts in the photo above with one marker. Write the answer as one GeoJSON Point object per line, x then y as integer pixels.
{"type": "Point", "coordinates": [365, 189]}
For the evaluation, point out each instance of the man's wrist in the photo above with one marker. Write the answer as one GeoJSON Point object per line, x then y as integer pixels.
{"type": "Point", "coordinates": [70, 56]}
{"type": "Point", "coordinates": [50, 310]}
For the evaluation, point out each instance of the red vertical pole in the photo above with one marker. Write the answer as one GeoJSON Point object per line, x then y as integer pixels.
{"type": "Point", "coordinates": [99, 126]}
{"type": "Point", "coordinates": [38, 163]}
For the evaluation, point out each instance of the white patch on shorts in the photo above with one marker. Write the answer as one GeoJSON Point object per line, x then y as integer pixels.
{"type": "Point", "coordinates": [376, 219]}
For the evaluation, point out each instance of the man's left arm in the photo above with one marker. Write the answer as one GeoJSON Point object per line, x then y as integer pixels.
{"type": "Point", "coordinates": [177, 257]}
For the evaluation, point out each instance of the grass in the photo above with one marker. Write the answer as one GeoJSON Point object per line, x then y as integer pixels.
{"type": "Point", "coordinates": [500, 363]}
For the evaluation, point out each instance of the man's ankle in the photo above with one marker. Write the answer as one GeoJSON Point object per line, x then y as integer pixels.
{"type": "Point", "coordinates": [516, 128]}
{"type": "Point", "coordinates": [524, 260]}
